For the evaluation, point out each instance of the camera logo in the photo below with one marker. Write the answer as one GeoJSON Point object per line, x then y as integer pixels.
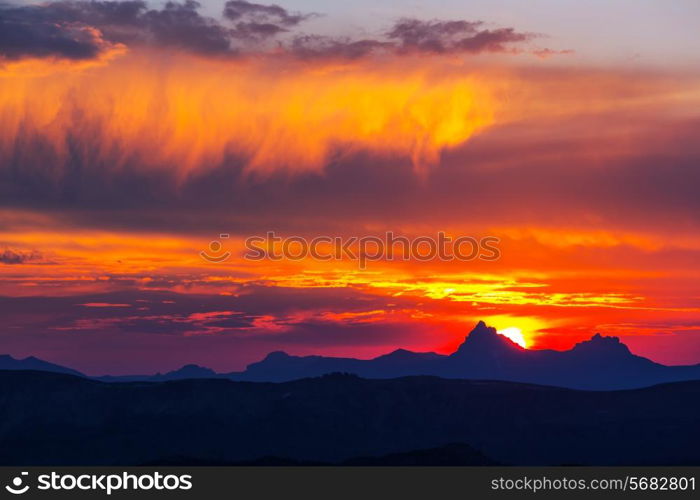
{"type": "Point", "coordinates": [215, 247]}
{"type": "Point", "coordinates": [16, 487]}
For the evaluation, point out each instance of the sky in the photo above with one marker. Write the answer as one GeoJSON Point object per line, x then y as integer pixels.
{"type": "Point", "coordinates": [136, 134]}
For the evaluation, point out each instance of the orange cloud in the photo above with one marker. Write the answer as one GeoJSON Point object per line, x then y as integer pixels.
{"type": "Point", "coordinates": [193, 113]}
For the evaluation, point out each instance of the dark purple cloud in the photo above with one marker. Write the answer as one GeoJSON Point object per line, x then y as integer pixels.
{"type": "Point", "coordinates": [181, 25]}
{"type": "Point", "coordinates": [79, 29]}
{"type": "Point", "coordinates": [238, 10]}
{"type": "Point", "coordinates": [36, 31]}
{"type": "Point", "coordinates": [318, 46]}
{"type": "Point", "coordinates": [83, 29]}
{"type": "Point", "coordinates": [414, 36]}
{"type": "Point", "coordinates": [453, 36]}
{"type": "Point", "coordinates": [14, 257]}
{"type": "Point", "coordinates": [149, 310]}
{"type": "Point", "coordinates": [254, 21]}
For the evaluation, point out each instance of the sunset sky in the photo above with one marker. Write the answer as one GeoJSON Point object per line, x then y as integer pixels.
{"type": "Point", "coordinates": [134, 134]}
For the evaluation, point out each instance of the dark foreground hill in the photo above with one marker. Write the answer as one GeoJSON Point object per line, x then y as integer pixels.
{"type": "Point", "coordinates": [48, 418]}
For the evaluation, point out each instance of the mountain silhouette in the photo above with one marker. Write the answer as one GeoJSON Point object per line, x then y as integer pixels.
{"type": "Point", "coordinates": [7, 362]}
{"type": "Point", "coordinates": [190, 371]}
{"type": "Point", "coordinates": [485, 341]}
{"type": "Point", "coordinates": [485, 352]}
{"type": "Point", "coordinates": [600, 363]}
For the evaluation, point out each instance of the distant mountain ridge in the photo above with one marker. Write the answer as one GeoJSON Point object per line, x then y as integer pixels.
{"type": "Point", "coordinates": [7, 362]}
{"type": "Point", "coordinates": [600, 363]}
{"type": "Point", "coordinates": [190, 371]}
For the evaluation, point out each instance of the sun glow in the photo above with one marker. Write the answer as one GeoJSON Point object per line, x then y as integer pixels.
{"type": "Point", "coordinates": [515, 334]}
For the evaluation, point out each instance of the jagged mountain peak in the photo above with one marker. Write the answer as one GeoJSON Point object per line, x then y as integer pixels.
{"type": "Point", "coordinates": [602, 345]}
{"type": "Point", "coordinates": [484, 338]}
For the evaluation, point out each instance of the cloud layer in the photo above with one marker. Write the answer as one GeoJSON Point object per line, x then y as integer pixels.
{"type": "Point", "coordinates": [80, 30]}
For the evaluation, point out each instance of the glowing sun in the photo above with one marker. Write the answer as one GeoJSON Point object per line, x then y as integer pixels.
{"type": "Point", "coordinates": [514, 334]}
